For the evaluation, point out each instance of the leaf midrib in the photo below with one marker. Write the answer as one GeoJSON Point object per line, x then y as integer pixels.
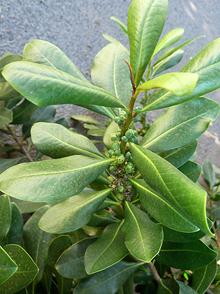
{"type": "Point", "coordinates": [62, 172]}
{"type": "Point", "coordinates": [108, 246]}
{"type": "Point", "coordinates": [173, 128]}
{"type": "Point", "coordinates": [72, 146]}
{"type": "Point", "coordinates": [167, 203]}
{"type": "Point", "coordinates": [138, 228]}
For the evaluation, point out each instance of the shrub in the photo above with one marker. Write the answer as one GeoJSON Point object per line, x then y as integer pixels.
{"type": "Point", "coordinates": [126, 213]}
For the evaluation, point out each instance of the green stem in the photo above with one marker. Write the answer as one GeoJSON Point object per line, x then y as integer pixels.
{"type": "Point", "coordinates": [129, 119]}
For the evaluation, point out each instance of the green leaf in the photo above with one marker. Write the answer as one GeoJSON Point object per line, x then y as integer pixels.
{"type": "Point", "coordinates": [7, 92]}
{"type": "Point", "coordinates": [5, 163]}
{"type": "Point", "coordinates": [44, 85]}
{"type": "Point", "coordinates": [207, 65]}
{"type": "Point", "coordinates": [6, 117]}
{"type": "Point", "coordinates": [8, 58]}
{"type": "Point", "coordinates": [37, 242]}
{"type": "Point", "coordinates": [109, 280]}
{"type": "Point", "coordinates": [192, 170]}
{"type": "Point", "coordinates": [110, 131]}
{"type": "Point", "coordinates": [181, 155]}
{"type": "Point", "coordinates": [171, 129]}
{"type": "Point", "coordinates": [73, 213]}
{"type": "Point", "coordinates": [179, 237]}
{"type": "Point", "coordinates": [15, 234]}
{"type": "Point", "coordinates": [5, 212]}
{"type": "Point", "coordinates": [174, 49]}
{"type": "Point", "coordinates": [53, 180]}
{"type": "Point", "coordinates": [186, 255]}
{"type": "Point", "coordinates": [7, 266]}
{"type": "Point", "coordinates": [186, 201]}
{"type": "Point", "coordinates": [106, 111]}
{"type": "Point", "coordinates": [85, 119]}
{"type": "Point", "coordinates": [27, 206]}
{"type": "Point", "coordinates": [23, 112]}
{"type": "Point", "coordinates": [25, 274]}
{"type": "Point", "coordinates": [162, 210]}
{"type": "Point", "coordinates": [108, 250]}
{"type": "Point", "coordinates": [44, 52]}
{"type": "Point", "coordinates": [57, 247]}
{"type": "Point", "coordinates": [57, 141]}
{"type": "Point", "coordinates": [203, 277]}
{"type": "Point", "coordinates": [71, 262]}
{"type": "Point", "coordinates": [178, 83]}
{"type": "Point", "coordinates": [169, 39]}
{"type": "Point", "coordinates": [122, 26]}
{"type": "Point", "coordinates": [146, 19]}
{"type": "Point", "coordinates": [168, 62]}
{"type": "Point", "coordinates": [143, 238]}
{"type": "Point", "coordinates": [110, 71]}
{"type": "Point", "coordinates": [185, 289]}
{"type": "Point", "coordinates": [209, 173]}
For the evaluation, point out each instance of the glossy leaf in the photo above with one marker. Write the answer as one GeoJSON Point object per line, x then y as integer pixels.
{"type": "Point", "coordinates": [168, 62]}
{"type": "Point", "coordinates": [178, 83]}
{"type": "Point", "coordinates": [8, 58]}
{"type": "Point", "coordinates": [5, 219]}
{"type": "Point", "coordinates": [27, 206]}
{"type": "Point", "coordinates": [44, 52]}
{"type": "Point", "coordinates": [53, 180]}
{"type": "Point", "coordinates": [203, 277]}
{"type": "Point", "coordinates": [187, 201]}
{"type": "Point", "coordinates": [162, 210]}
{"type": "Point", "coordinates": [15, 234]}
{"type": "Point", "coordinates": [5, 117]}
{"type": "Point", "coordinates": [185, 289]}
{"type": "Point", "coordinates": [57, 247]}
{"type": "Point", "coordinates": [122, 26]}
{"type": "Point", "coordinates": [179, 237]}
{"type": "Point", "coordinates": [72, 214]}
{"type": "Point", "coordinates": [57, 141]}
{"type": "Point", "coordinates": [143, 238]}
{"type": "Point", "coordinates": [192, 170]}
{"type": "Point", "coordinates": [71, 262]}
{"type": "Point", "coordinates": [110, 131]}
{"type": "Point", "coordinates": [110, 71]}
{"type": "Point", "coordinates": [5, 163]}
{"type": "Point", "coordinates": [146, 19]}
{"type": "Point", "coordinates": [25, 274]}
{"type": "Point", "coordinates": [37, 241]}
{"type": "Point", "coordinates": [109, 280]}
{"type": "Point", "coordinates": [7, 92]}
{"type": "Point", "coordinates": [107, 250]}
{"type": "Point", "coordinates": [181, 155]}
{"type": "Point", "coordinates": [207, 65]}
{"type": "Point", "coordinates": [186, 255]}
{"type": "Point", "coordinates": [7, 266]}
{"type": "Point", "coordinates": [169, 39]}
{"type": "Point", "coordinates": [209, 173]}
{"type": "Point", "coordinates": [171, 129]}
{"type": "Point", "coordinates": [44, 85]}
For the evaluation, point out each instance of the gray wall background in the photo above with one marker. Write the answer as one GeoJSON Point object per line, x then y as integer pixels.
{"type": "Point", "coordinates": [76, 26]}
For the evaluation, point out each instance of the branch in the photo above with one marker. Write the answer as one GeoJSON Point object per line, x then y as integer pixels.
{"type": "Point", "coordinates": [19, 143]}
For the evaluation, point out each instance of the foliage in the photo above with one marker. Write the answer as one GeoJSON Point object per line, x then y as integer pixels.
{"type": "Point", "coordinates": [120, 206]}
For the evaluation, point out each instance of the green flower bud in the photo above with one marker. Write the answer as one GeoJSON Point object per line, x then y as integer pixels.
{"type": "Point", "coordinates": [124, 138]}
{"type": "Point", "coordinates": [120, 189]}
{"type": "Point", "coordinates": [120, 159]}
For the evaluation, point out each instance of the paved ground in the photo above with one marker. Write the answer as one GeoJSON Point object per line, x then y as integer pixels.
{"type": "Point", "coordinates": [76, 26]}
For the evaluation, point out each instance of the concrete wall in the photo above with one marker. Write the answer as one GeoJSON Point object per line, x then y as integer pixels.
{"type": "Point", "coordinates": [76, 26]}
